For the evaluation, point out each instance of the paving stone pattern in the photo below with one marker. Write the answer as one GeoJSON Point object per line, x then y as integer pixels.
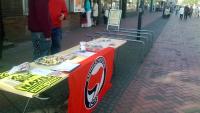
{"type": "Point", "coordinates": [121, 81]}
{"type": "Point", "coordinates": [168, 80]}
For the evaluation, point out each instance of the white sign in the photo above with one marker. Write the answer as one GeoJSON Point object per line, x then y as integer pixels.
{"type": "Point", "coordinates": [114, 18]}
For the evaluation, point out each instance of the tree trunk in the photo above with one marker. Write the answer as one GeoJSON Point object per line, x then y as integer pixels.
{"type": "Point", "coordinates": [124, 8]}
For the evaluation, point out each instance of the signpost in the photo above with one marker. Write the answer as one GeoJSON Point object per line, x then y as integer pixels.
{"type": "Point", "coordinates": [141, 9]}
{"type": "Point", "coordinates": [114, 18]}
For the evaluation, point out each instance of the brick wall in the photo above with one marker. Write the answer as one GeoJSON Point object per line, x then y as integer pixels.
{"type": "Point", "coordinates": [16, 27]}
{"type": "Point", "coordinates": [12, 8]}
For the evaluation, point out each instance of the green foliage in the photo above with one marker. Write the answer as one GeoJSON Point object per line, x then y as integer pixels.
{"type": "Point", "coordinates": [190, 2]}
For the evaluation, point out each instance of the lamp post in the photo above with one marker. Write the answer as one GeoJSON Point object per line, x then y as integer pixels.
{"type": "Point", "coordinates": [151, 6]}
{"type": "Point", "coordinates": [140, 10]}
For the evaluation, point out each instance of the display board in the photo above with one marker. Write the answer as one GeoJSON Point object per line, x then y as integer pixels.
{"type": "Point", "coordinates": [114, 18]}
{"type": "Point", "coordinates": [76, 5]}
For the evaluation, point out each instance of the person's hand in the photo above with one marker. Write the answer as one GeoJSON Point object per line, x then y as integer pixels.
{"type": "Point", "coordinates": [62, 17]}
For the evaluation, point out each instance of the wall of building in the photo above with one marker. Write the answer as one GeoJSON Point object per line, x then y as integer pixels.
{"type": "Point", "coordinates": [15, 23]}
{"type": "Point", "coordinates": [11, 8]}
{"type": "Point", "coordinates": [13, 19]}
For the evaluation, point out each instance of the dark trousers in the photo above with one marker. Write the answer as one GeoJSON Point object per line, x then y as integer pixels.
{"type": "Point", "coordinates": [105, 19]}
{"type": "Point", "coordinates": [185, 16]}
{"type": "Point", "coordinates": [41, 46]}
{"type": "Point", "coordinates": [181, 16]}
{"type": "Point", "coordinates": [56, 40]}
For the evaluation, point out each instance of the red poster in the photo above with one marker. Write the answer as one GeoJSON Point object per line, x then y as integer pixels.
{"type": "Point", "coordinates": [89, 82]}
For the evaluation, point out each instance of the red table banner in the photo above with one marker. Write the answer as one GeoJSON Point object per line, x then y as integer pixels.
{"type": "Point", "coordinates": [90, 81]}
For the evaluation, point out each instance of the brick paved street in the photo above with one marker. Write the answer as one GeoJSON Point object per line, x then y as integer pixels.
{"type": "Point", "coordinates": [168, 80]}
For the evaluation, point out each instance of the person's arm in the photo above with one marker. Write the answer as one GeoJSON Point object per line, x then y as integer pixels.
{"type": "Point", "coordinates": [64, 11]}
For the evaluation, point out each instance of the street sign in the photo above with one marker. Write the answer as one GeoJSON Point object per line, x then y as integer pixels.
{"type": "Point", "coordinates": [114, 18]}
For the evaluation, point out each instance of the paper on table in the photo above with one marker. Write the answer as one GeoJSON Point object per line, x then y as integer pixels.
{"type": "Point", "coordinates": [66, 66]}
{"type": "Point", "coordinates": [22, 67]}
{"type": "Point", "coordinates": [40, 71]}
{"type": "Point", "coordinates": [76, 59]}
{"type": "Point", "coordinates": [85, 53]}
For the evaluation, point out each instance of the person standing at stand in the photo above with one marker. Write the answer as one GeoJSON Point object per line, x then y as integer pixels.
{"type": "Point", "coordinates": [88, 10]}
{"type": "Point", "coordinates": [39, 23]}
{"type": "Point", "coordinates": [58, 12]}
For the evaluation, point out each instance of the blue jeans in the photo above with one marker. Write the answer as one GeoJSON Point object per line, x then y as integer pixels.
{"type": "Point", "coordinates": [41, 46]}
{"type": "Point", "coordinates": [56, 40]}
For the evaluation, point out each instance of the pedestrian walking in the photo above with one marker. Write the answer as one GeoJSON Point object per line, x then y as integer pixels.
{"type": "Point", "coordinates": [198, 12]}
{"type": "Point", "coordinates": [39, 23]}
{"type": "Point", "coordinates": [195, 11]}
{"type": "Point", "coordinates": [177, 9]}
{"type": "Point", "coordinates": [58, 13]}
{"type": "Point", "coordinates": [181, 12]}
{"type": "Point", "coordinates": [190, 11]}
{"type": "Point", "coordinates": [95, 12]}
{"type": "Point", "coordinates": [186, 12]}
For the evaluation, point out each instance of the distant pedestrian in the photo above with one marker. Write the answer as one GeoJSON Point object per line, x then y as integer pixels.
{"type": "Point", "coordinates": [177, 9]}
{"type": "Point", "coordinates": [106, 13]}
{"type": "Point", "coordinates": [181, 12]}
{"type": "Point", "coordinates": [186, 12]}
{"type": "Point", "coordinates": [190, 11]}
{"type": "Point", "coordinates": [39, 23]}
{"type": "Point", "coordinates": [83, 19]}
{"type": "Point", "coordinates": [95, 12]}
{"type": "Point", "coordinates": [58, 12]}
{"type": "Point", "coordinates": [88, 10]}
{"type": "Point", "coordinates": [196, 11]}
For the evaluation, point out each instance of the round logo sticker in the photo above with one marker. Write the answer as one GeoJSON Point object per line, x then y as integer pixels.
{"type": "Point", "coordinates": [95, 81]}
